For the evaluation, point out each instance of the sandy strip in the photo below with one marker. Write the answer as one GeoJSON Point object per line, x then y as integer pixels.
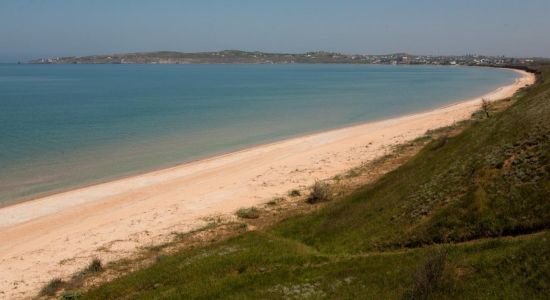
{"type": "Point", "coordinates": [57, 235]}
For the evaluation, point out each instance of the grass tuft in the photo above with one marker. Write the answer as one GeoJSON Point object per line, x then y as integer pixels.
{"type": "Point", "coordinates": [439, 143]}
{"type": "Point", "coordinates": [275, 201]}
{"type": "Point", "coordinates": [320, 192]}
{"type": "Point", "coordinates": [294, 193]}
{"type": "Point", "coordinates": [71, 295]}
{"type": "Point", "coordinates": [95, 266]}
{"type": "Point", "coordinates": [51, 288]}
{"type": "Point", "coordinates": [248, 213]}
{"type": "Point", "coordinates": [429, 275]}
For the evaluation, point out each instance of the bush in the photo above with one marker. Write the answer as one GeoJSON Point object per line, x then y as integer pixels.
{"type": "Point", "coordinates": [294, 193]}
{"type": "Point", "coordinates": [320, 192]}
{"type": "Point", "coordinates": [429, 275]}
{"type": "Point", "coordinates": [248, 213]}
{"type": "Point", "coordinates": [94, 267]}
{"type": "Point", "coordinates": [52, 287]}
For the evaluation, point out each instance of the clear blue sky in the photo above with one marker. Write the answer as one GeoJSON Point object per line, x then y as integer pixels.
{"type": "Point", "coordinates": [37, 28]}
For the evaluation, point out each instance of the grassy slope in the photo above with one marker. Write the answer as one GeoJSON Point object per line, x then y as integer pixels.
{"type": "Point", "coordinates": [482, 195]}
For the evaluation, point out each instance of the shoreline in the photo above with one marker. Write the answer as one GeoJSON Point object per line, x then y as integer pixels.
{"type": "Point", "coordinates": [221, 154]}
{"type": "Point", "coordinates": [45, 194]}
{"type": "Point", "coordinates": [61, 232]}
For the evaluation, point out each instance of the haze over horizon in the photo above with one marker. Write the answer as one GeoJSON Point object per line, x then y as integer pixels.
{"type": "Point", "coordinates": [34, 28]}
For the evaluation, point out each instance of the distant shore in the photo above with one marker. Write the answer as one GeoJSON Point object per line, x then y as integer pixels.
{"type": "Point", "coordinates": [257, 57]}
{"type": "Point", "coordinates": [56, 235]}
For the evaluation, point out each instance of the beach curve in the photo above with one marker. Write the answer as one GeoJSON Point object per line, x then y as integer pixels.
{"type": "Point", "coordinates": [57, 235]}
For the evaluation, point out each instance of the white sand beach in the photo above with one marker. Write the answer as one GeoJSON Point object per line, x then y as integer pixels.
{"type": "Point", "coordinates": [57, 235]}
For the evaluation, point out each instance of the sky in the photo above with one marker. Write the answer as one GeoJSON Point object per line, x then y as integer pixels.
{"type": "Point", "coordinates": [46, 28]}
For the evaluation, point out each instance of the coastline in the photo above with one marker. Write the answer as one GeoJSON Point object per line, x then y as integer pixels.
{"type": "Point", "coordinates": [116, 177]}
{"type": "Point", "coordinates": [121, 215]}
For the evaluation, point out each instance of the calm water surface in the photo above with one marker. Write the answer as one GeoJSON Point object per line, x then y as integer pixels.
{"type": "Point", "coordinates": [65, 126]}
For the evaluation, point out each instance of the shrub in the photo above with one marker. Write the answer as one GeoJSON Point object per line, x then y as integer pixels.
{"type": "Point", "coordinates": [294, 193]}
{"type": "Point", "coordinates": [52, 287]}
{"type": "Point", "coordinates": [429, 275]}
{"type": "Point", "coordinates": [320, 192]}
{"type": "Point", "coordinates": [94, 267]}
{"type": "Point", "coordinates": [248, 213]}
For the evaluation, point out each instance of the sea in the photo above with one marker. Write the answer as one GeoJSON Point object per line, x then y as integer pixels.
{"type": "Point", "coordinates": [68, 126]}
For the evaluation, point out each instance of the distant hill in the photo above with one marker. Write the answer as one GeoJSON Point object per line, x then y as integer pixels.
{"type": "Point", "coordinates": [221, 57]}
{"type": "Point", "coordinates": [244, 57]}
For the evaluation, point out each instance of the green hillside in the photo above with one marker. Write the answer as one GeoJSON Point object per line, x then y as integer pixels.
{"type": "Point", "coordinates": [466, 218]}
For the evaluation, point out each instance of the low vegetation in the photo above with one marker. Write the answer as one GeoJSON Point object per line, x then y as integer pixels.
{"type": "Point", "coordinates": [71, 295]}
{"type": "Point", "coordinates": [248, 213]}
{"type": "Point", "coordinates": [275, 201]}
{"type": "Point", "coordinates": [52, 287]}
{"type": "Point", "coordinates": [485, 107]}
{"type": "Point", "coordinates": [294, 193]}
{"type": "Point", "coordinates": [55, 285]}
{"type": "Point", "coordinates": [429, 276]}
{"type": "Point", "coordinates": [320, 192]}
{"type": "Point", "coordinates": [95, 266]}
{"type": "Point", "coordinates": [466, 218]}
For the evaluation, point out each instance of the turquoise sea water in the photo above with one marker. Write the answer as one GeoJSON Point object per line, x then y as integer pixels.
{"type": "Point", "coordinates": [64, 126]}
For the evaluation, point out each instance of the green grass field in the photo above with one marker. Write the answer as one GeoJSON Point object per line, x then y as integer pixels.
{"type": "Point", "coordinates": [466, 218]}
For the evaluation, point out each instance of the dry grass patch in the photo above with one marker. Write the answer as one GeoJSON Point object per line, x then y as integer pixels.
{"type": "Point", "coordinates": [320, 192]}
{"type": "Point", "coordinates": [52, 287]}
{"type": "Point", "coordinates": [294, 193]}
{"type": "Point", "coordinates": [248, 213]}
